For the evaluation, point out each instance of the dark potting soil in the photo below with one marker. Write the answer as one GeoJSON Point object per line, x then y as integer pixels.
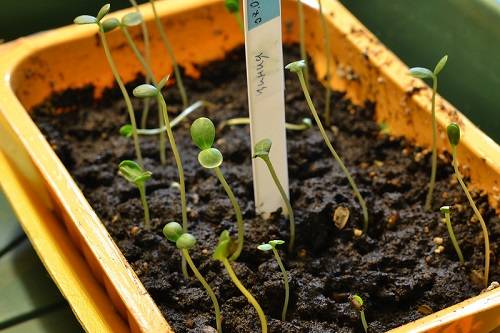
{"type": "Point", "coordinates": [395, 268]}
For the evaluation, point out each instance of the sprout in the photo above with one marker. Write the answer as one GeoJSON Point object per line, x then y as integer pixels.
{"type": "Point", "coordinates": [304, 125]}
{"type": "Point", "coordinates": [203, 135]}
{"type": "Point", "coordinates": [233, 7]}
{"type": "Point", "coordinates": [222, 251]}
{"type": "Point", "coordinates": [272, 246]}
{"type": "Point", "coordinates": [136, 175]}
{"type": "Point", "coordinates": [262, 149]}
{"type": "Point", "coordinates": [184, 241]}
{"type": "Point", "coordinates": [453, 131]}
{"type": "Point", "coordinates": [358, 304]}
{"type": "Point", "coordinates": [170, 51]}
{"type": "Point", "coordinates": [298, 68]}
{"type": "Point", "coordinates": [302, 39]}
{"type": "Point", "coordinates": [328, 57]}
{"type": "Point", "coordinates": [424, 73]}
{"type": "Point", "coordinates": [145, 91]}
{"type": "Point", "coordinates": [446, 212]}
{"type": "Point", "coordinates": [109, 25]}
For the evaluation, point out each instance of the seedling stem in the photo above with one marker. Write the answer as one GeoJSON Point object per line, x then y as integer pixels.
{"type": "Point", "coordinates": [136, 175]}
{"type": "Point", "coordinates": [358, 304]}
{"type": "Point", "coordinates": [306, 124]}
{"type": "Point", "coordinates": [446, 211]}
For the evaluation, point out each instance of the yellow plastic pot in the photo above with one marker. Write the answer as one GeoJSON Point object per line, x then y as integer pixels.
{"type": "Point", "coordinates": [91, 272]}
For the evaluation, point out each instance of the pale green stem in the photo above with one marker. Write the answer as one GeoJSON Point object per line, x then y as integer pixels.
{"type": "Point", "coordinates": [363, 320]}
{"type": "Point", "coordinates": [163, 107]}
{"type": "Point", "coordinates": [284, 196]}
{"type": "Point", "coordinates": [237, 15]}
{"type": "Point", "coordinates": [142, 192]}
{"type": "Point", "coordinates": [478, 215]}
{"type": "Point", "coordinates": [285, 281]}
{"type": "Point", "coordinates": [125, 94]}
{"type": "Point", "coordinates": [334, 153]}
{"type": "Point", "coordinates": [452, 237]}
{"type": "Point", "coordinates": [246, 121]}
{"type": "Point", "coordinates": [328, 54]}
{"type": "Point", "coordinates": [170, 51]}
{"type": "Point", "coordinates": [237, 210]}
{"type": "Point", "coordinates": [302, 39]}
{"type": "Point", "coordinates": [246, 293]}
{"type": "Point", "coordinates": [428, 199]}
{"type": "Point", "coordinates": [210, 292]}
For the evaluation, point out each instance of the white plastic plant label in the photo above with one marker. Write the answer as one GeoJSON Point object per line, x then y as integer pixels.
{"type": "Point", "coordinates": [265, 80]}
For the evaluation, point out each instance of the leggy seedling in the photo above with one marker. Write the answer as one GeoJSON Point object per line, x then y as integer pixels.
{"type": "Point", "coordinates": [203, 135]}
{"type": "Point", "coordinates": [453, 131]}
{"type": "Point", "coordinates": [184, 241]}
{"type": "Point", "coordinates": [304, 125]}
{"type": "Point", "coordinates": [298, 68]}
{"type": "Point", "coordinates": [233, 7]}
{"type": "Point", "coordinates": [221, 253]}
{"type": "Point", "coordinates": [424, 73]}
{"type": "Point", "coordinates": [446, 212]}
{"type": "Point", "coordinates": [358, 304]}
{"type": "Point", "coordinates": [136, 175]}
{"type": "Point", "coordinates": [272, 246]}
{"type": "Point", "coordinates": [262, 149]}
{"type": "Point", "coordinates": [104, 27]}
{"type": "Point", "coordinates": [328, 57]}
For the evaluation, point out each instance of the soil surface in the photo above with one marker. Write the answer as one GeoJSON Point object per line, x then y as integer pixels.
{"type": "Point", "coordinates": [397, 268]}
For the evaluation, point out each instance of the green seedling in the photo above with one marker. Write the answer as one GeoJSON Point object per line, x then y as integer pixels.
{"type": "Point", "coordinates": [424, 73]}
{"type": "Point", "coordinates": [136, 175]}
{"type": "Point", "coordinates": [446, 212]}
{"type": "Point", "coordinates": [223, 250]}
{"type": "Point", "coordinates": [149, 91]}
{"type": "Point", "coordinates": [358, 304]}
{"type": "Point", "coordinates": [184, 242]}
{"type": "Point", "coordinates": [203, 135]}
{"type": "Point", "coordinates": [453, 131]}
{"type": "Point", "coordinates": [126, 130]}
{"type": "Point", "coordinates": [170, 51]}
{"type": "Point", "coordinates": [104, 27]}
{"type": "Point", "coordinates": [272, 246]}
{"type": "Point", "coordinates": [262, 149]}
{"type": "Point", "coordinates": [302, 40]}
{"type": "Point", "coordinates": [328, 57]}
{"type": "Point", "coordinates": [305, 125]}
{"type": "Point", "coordinates": [298, 68]}
{"type": "Point", "coordinates": [233, 7]}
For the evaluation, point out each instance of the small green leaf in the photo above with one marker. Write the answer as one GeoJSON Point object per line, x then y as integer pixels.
{"type": "Point", "coordinates": [172, 231]}
{"type": "Point", "coordinates": [145, 91]}
{"type": "Point", "coordinates": [232, 6]}
{"type": "Point", "coordinates": [85, 19]}
{"type": "Point", "coordinates": [262, 148]}
{"type": "Point", "coordinates": [445, 209]}
{"type": "Point", "coordinates": [102, 12]}
{"type": "Point", "coordinates": [126, 130]}
{"type": "Point", "coordinates": [163, 82]}
{"type": "Point", "coordinates": [222, 249]}
{"type": "Point", "coordinates": [296, 66]}
{"type": "Point", "coordinates": [133, 172]}
{"type": "Point", "coordinates": [440, 65]}
{"type": "Point", "coordinates": [132, 19]}
{"type": "Point", "coordinates": [203, 133]}
{"type": "Point", "coordinates": [357, 302]}
{"type": "Point", "coordinates": [453, 131]}
{"type": "Point", "coordinates": [307, 122]}
{"type": "Point", "coordinates": [275, 242]}
{"type": "Point", "coordinates": [421, 73]}
{"type": "Point", "coordinates": [265, 247]}
{"type": "Point", "coordinates": [110, 24]}
{"type": "Point", "coordinates": [185, 241]}
{"type": "Point", "coordinates": [210, 158]}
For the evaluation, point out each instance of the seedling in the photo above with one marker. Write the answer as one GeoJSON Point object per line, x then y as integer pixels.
{"type": "Point", "coordinates": [358, 304]}
{"type": "Point", "coordinates": [170, 51]}
{"type": "Point", "coordinates": [453, 131]}
{"type": "Point", "coordinates": [424, 73]}
{"type": "Point", "coordinates": [222, 252]}
{"type": "Point", "coordinates": [203, 135]}
{"type": "Point", "coordinates": [328, 57]}
{"type": "Point", "coordinates": [104, 27]}
{"type": "Point", "coordinates": [271, 245]}
{"type": "Point", "coordinates": [306, 124]}
{"type": "Point", "coordinates": [298, 68]}
{"type": "Point", "coordinates": [302, 40]}
{"type": "Point", "coordinates": [233, 7]}
{"type": "Point", "coordinates": [262, 149]}
{"type": "Point", "coordinates": [446, 212]}
{"type": "Point", "coordinates": [184, 241]}
{"type": "Point", "coordinates": [136, 175]}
